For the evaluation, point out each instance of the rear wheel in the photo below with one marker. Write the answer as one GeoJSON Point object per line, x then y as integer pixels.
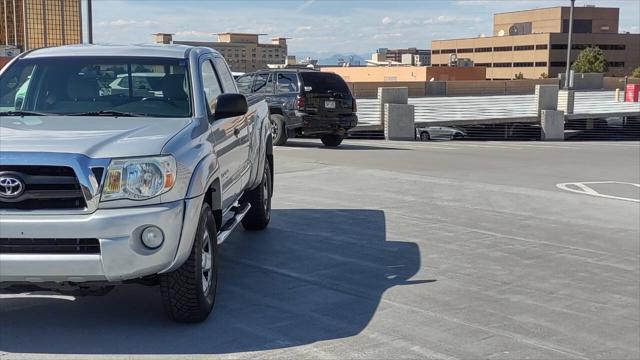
{"type": "Point", "coordinates": [332, 140]}
{"type": "Point", "coordinates": [278, 130]}
{"type": "Point", "coordinates": [259, 214]}
{"type": "Point", "coordinates": [188, 293]}
{"type": "Point", "coordinates": [424, 136]}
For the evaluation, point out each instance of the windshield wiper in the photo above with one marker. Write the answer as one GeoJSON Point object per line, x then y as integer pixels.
{"type": "Point", "coordinates": [108, 113]}
{"type": "Point", "coordinates": [23, 113]}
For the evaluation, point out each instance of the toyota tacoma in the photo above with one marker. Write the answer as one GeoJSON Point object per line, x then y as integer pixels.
{"type": "Point", "coordinates": [123, 164]}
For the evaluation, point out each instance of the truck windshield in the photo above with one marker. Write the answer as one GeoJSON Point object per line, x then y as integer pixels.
{"type": "Point", "coordinates": [87, 86]}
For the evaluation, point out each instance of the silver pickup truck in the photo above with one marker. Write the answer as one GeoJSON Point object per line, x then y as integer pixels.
{"type": "Point", "coordinates": [127, 164]}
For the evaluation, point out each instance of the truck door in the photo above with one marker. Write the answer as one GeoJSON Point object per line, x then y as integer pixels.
{"type": "Point", "coordinates": [226, 134]}
{"type": "Point", "coordinates": [245, 124]}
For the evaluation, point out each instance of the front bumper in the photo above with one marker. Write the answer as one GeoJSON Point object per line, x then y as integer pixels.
{"type": "Point", "coordinates": [122, 256]}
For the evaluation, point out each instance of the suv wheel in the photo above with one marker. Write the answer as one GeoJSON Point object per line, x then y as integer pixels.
{"type": "Point", "coordinates": [259, 214]}
{"type": "Point", "coordinates": [331, 140]}
{"type": "Point", "coordinates": [189, 292]}
{"type": "Point", "coordinates": [278, 131]}
{"type": "Point", "coordinates": [424, 136]}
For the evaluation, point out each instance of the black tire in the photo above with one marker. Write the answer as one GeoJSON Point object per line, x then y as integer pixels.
{"type": "Point", "coordinates": [259, 214]}
{"type": "Point", "coordinates": [278, 130]}
{"type": "Point", "coordinates": [457, 136]}
{"type": "Point", "coordinates": [332, 140]}
{"type": "Point", "coordinates": [184, 296]}
{"type": "Point", "coordinates": [424, 136]}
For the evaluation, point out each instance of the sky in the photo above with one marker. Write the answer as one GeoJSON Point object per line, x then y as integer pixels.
{"type": "Point", "coordinates": [321, 27]}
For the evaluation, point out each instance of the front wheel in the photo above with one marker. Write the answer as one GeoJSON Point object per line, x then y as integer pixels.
{"type": "Point", "coordinates": [188, 293]}
{"type": "Point", "coordinates": [331, 140]}
{"type": "Point", "coordinates": [259, 214]}
{"type": "Point", "coordinates": [278, 130]}
{"type": "Point", "coordinates": [424, 136]}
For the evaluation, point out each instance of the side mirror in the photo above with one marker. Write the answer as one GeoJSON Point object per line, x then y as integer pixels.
{"type": "Point", "coordinates": [230, 105]}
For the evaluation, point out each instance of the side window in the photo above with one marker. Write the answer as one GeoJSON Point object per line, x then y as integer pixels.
{"type": "Point", "coordinates": [287, 83]}
{"type": "Point", "coordinates": [244, 84]}
{"type": "Point", "coordinates": [263, 84]}
{"type": "Point", "coordinates": [210, 83]}
{"type": "Point", "coordinates": [228, 84]}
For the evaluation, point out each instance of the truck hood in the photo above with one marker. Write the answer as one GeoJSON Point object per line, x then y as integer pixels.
{"type": "Point", "coordinates": [95, 137]}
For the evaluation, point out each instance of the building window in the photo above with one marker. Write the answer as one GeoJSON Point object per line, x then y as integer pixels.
{"type": "Point", "coordinates": [541, 64]}
{"type": "Point", "coordinates": [487, 65]}
{"type": "Point", "coordinates": [542, 47]}
{"type": "Point", "coordinates": [502, 65]}
{"type": "Point", "coordinates": [523, 64]}
{"type": "Point", "coordinates": [616, 64]}
{"type": "Point", "coordinates": [558, 46]}
{"type": "Point", "coordinates": [484, 49]}
{"type": "Point", "coordinates": [558, 64]}
{"type": "Point", "coordinates": [436, 52]}
{"type": "Point", "coordinates": [503, 48]}
{"type": "Point", "coordinates": [579, 46]}
{"type": "Point", "coordinates": [524, 48]}
{"type": "Point", "coordinates": [580, 26]}
{"type": "Point", "coordinates": [464, 51]}
{"type": "Point", "coordinates": [448, 51]}
{"type": "Point", "coordinates": [612, 47]}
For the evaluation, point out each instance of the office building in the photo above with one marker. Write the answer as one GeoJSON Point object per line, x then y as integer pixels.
{"type": "Point", "coordinates": [32, 24]}
{"type": "Point", "coordinates": [534, 42]}
{"type": "Point", "coordinates": [243, 52]}
{"type": "Point", "coordinates": [419, 57]}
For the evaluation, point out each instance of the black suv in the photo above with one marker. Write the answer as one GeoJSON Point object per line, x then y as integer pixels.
{"type": "Point", "coordinates": [304, 102]}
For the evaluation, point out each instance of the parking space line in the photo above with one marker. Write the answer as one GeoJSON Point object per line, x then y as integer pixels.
{"type": "Point", "coordinates": [584, 189]}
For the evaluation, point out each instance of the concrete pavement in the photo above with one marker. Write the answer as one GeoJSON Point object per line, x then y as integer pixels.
{"type": "Point", "coordinates": [446, 250]}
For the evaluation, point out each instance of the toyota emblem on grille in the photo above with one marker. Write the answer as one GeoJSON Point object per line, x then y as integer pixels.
{"type": "Point", "coordinates": [10, 186]}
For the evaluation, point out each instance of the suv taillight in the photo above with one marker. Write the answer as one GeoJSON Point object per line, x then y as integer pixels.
{"type": "Point", "coordinates": [300, 102]}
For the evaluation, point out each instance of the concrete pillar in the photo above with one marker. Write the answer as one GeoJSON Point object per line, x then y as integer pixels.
{"type": "Point", "coordinates": [547, 97]}
{"type": "Point", "coordinates": [566, 100]}
{"type": "Point", "coordinates": [552, 123]}
{"type": "Point", "coordinates": [400, 124]}
{"type": "Point", "coordinates": [391, 95]}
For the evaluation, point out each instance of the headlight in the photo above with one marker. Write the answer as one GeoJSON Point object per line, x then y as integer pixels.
{"type": "Point", "coordinates": [140, 178]}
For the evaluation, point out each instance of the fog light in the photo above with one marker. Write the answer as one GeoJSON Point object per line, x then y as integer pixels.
{"type": "Point", "coordinates": [152, 237]}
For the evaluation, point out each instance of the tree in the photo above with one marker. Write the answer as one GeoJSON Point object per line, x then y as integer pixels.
{"type": "Point", "coordinates": [544, 75]}
{"type": "Point", "coordinates": [519, 76]}
{"type": "Point", "coordinates": [636, 73]}
{"type": "Point", "coordinates": [590, 60]}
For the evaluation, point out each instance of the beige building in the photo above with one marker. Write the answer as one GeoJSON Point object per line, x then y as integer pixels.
{"type": "Point", "coordinates": [243, 52]}
{"type": "Point", "coordinates": [534, 42]}
{"type": "Point", "coordinates": [32, 24]}
{"type": "Point", "coordinates": [359, 74]}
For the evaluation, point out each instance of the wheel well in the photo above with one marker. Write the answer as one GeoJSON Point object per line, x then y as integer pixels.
{"type": "Point", "coordinates": [213, 197]}
{"type": "Point", "coordinates": [275, 111]}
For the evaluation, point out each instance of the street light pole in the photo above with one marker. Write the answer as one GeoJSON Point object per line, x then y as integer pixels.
{"type": "Point", "coordinates": [89, 22]}
{"type": "Point", "coordinates": [568, 73]}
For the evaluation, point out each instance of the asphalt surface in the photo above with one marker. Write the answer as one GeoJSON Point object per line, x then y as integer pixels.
{"type": "Point", "coordinates": [446, 250]}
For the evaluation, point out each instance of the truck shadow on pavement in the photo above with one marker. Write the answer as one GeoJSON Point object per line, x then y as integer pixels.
{"type": "Point", "coordinates": [313, 275]}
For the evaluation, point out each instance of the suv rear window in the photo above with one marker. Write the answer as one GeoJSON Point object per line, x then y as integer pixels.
{"type": "Point", "coordinates": [321, 82]}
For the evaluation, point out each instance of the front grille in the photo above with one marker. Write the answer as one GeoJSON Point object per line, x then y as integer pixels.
{"type": "Point", "coordinates": [46, 188]}
{"type": "Point", "coordinates": [49, 246]}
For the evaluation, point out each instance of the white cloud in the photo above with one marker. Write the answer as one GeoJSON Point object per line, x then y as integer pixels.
{"type": "Point", "coordinates": [300, 29]}
{"type": "Point", "coordinates": [386, 20]}
{"type": "Point", "coordinates": [386, 36]}
{"type": "Point", "coordinates": [194, 34]}
{"type": "Point", "coordinates": [122, 22]}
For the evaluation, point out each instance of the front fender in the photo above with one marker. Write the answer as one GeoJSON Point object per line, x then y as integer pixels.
{"type": "Point", "coordinates": [207, 170]}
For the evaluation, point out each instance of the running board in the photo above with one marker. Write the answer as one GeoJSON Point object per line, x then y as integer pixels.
{"type": "Point", "coordinates": [226, 230]}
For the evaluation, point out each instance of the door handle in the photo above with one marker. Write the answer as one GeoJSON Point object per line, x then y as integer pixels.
{"type": "Point", "coordinates": [236, 132]}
